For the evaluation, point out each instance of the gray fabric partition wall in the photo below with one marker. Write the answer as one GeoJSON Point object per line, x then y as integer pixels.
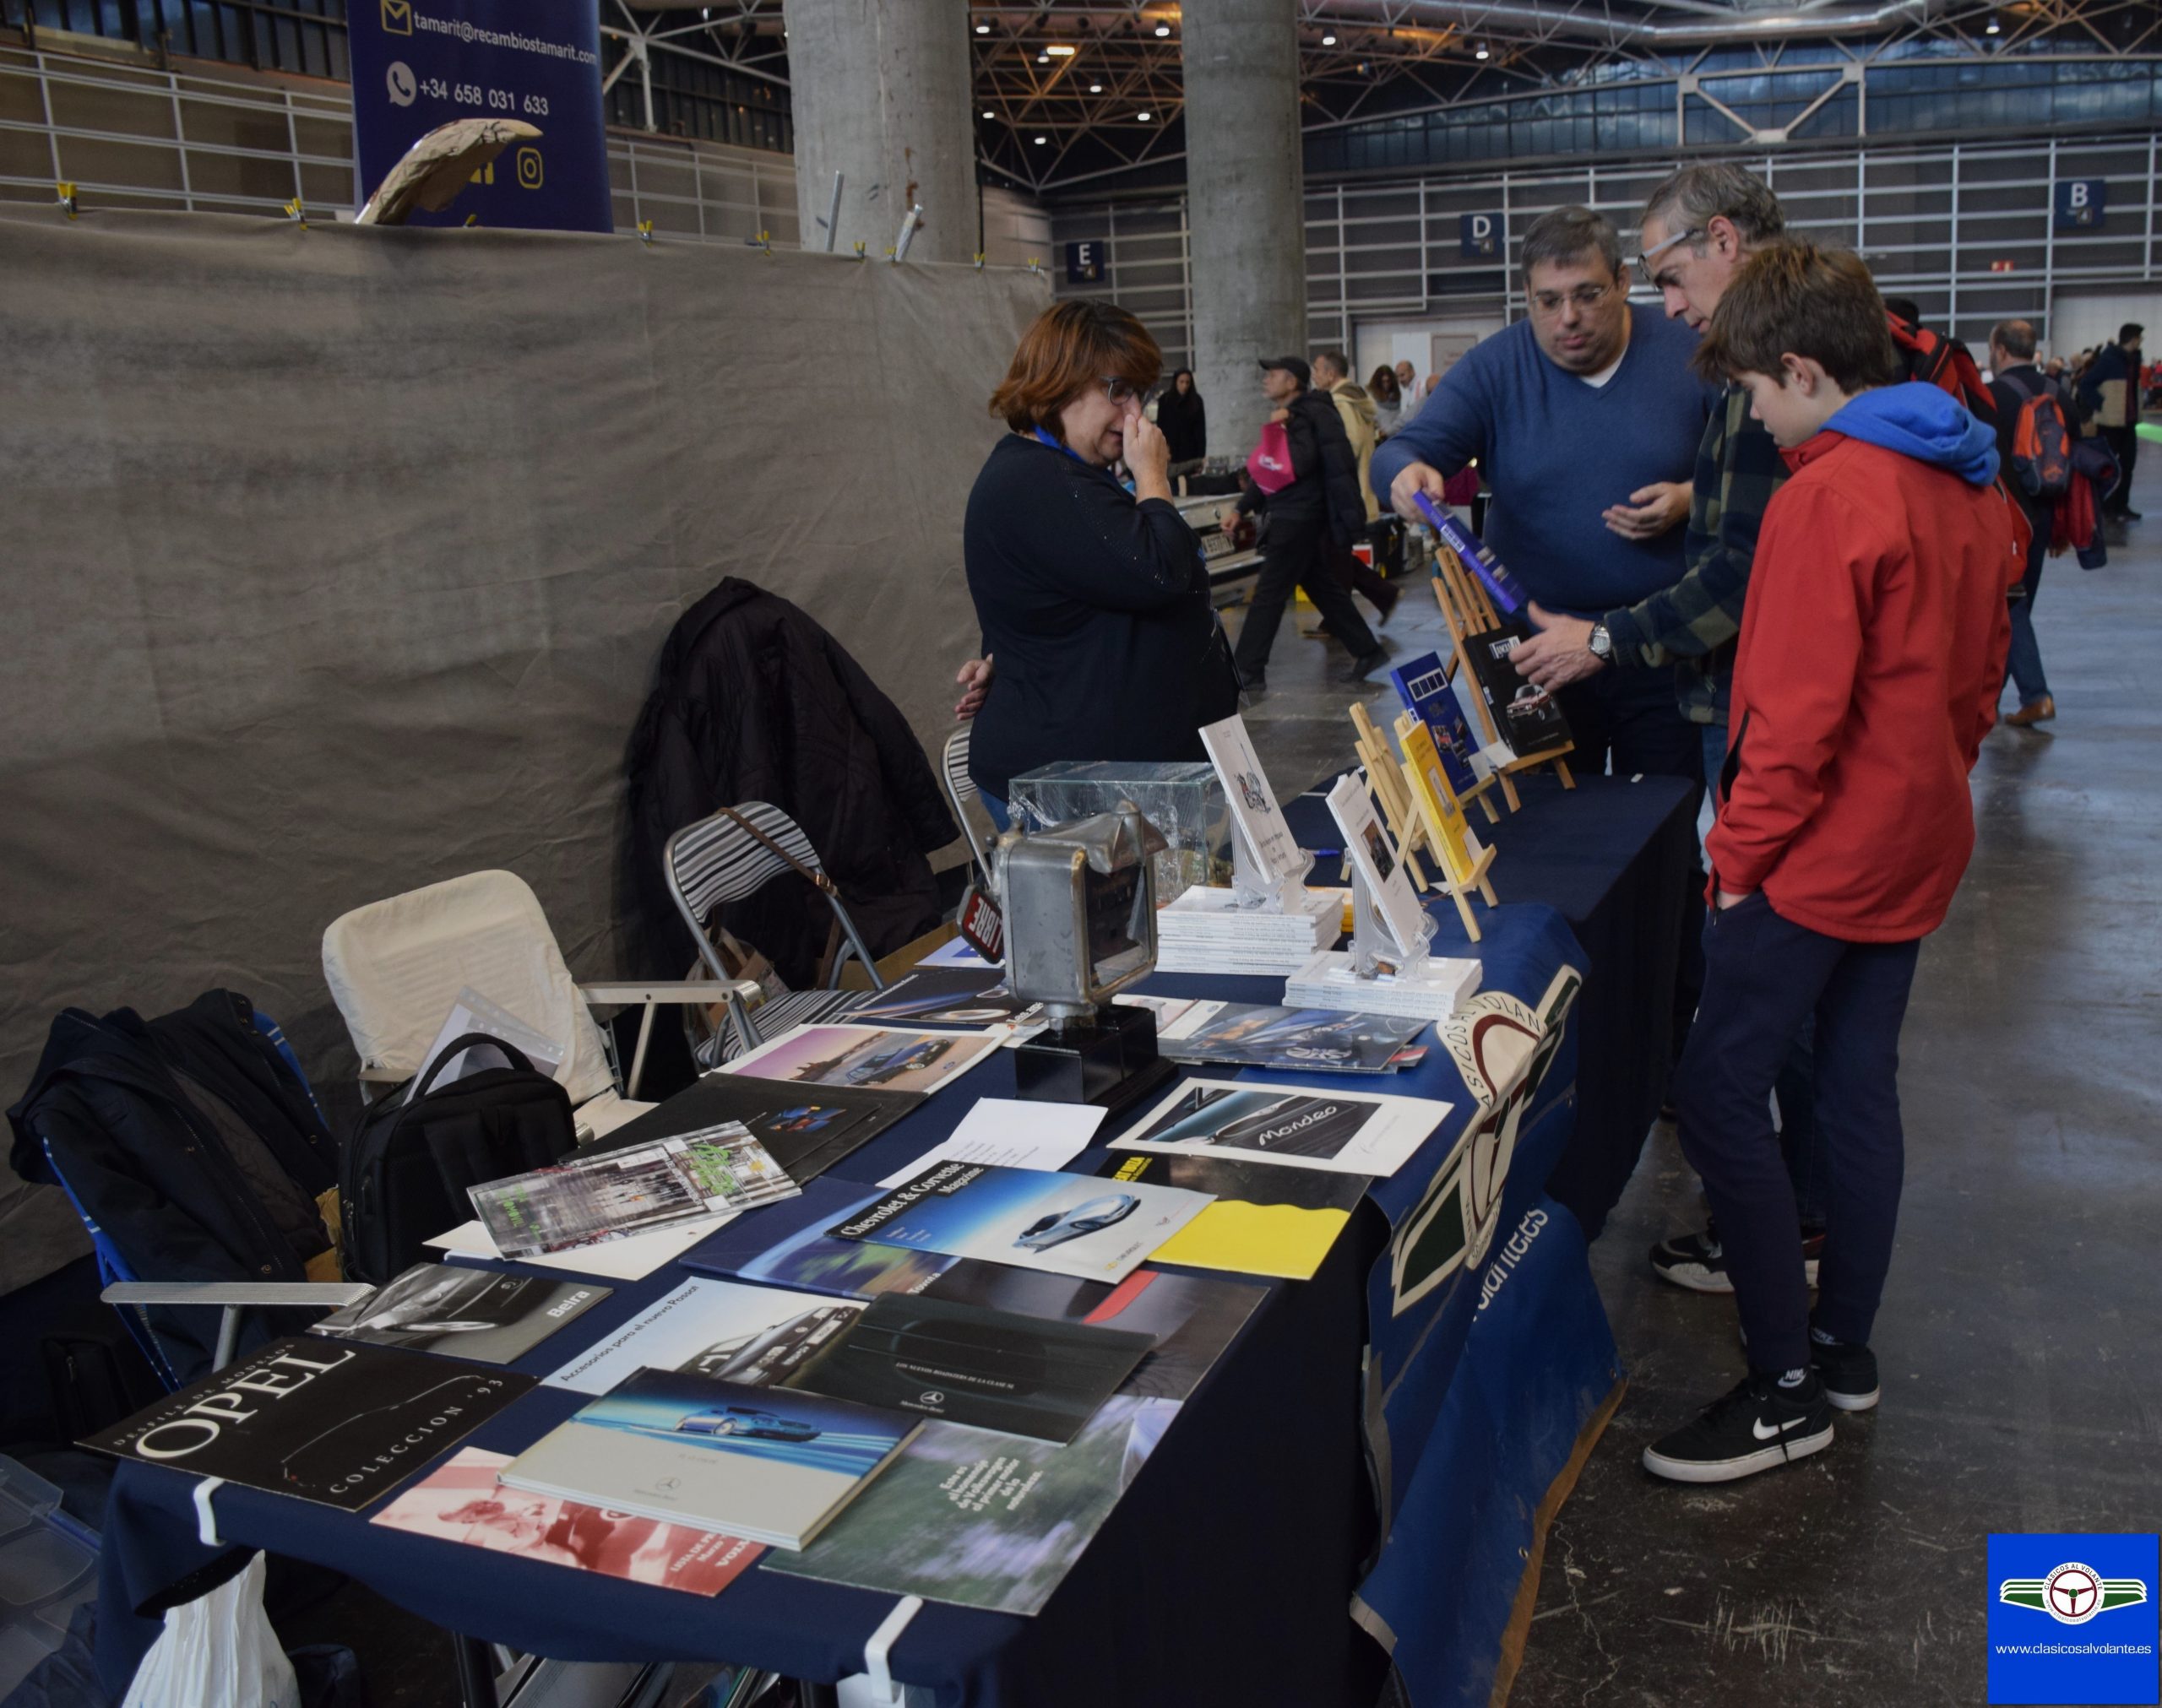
{"type": "Point", "coordinates": [336, 562]}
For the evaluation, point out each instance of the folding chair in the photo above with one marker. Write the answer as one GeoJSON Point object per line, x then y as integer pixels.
{"type": "Point", "coordinates": [960, 789]}
{"type": "Point", "coordinates": [735, 854]}
{"type": "Point", "coordinates": [395, 966]}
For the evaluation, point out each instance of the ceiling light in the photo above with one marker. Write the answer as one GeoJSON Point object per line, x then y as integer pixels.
{"type": "Point", "coordinates": [988, 113]}
{"type": "Point", "coordinates": [983, 29]}
{"type": "Point", "coordinates": [1329, 40]}
{"type": "Point", "coordinates": [1141, 116]}
{"type": "Point", "coordinates": [1163, 29]}
{"type": "Point", "coordinates": [1096, 88]}
{"type": "Point", "coordinates": [1479, 51]}
{"type": "Point", "coordinates": [1993, 27]}
{"type": "Point", "coordinates": [1043, 59]}
{"type": "Point", "coordinates": [1060, 50]}
{"type": "Point", "coordinates": [1040, 141]}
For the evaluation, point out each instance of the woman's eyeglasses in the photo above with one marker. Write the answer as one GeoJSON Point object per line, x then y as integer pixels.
{"type": "Point", "coordinates": [1119, 390]}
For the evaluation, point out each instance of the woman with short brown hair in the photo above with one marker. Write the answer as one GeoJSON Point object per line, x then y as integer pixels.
{"type": "Point", "coordinates": [1093, 600]}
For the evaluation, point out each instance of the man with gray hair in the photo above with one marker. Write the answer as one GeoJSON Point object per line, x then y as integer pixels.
{"type": "Point", "coordinates": [1585, 420]}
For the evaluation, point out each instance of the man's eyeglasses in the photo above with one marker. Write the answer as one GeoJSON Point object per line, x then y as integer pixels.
{"type": "Point", "coordinates": [1587, 297]}
{"type": "Point", "coordinates": [1644, 269]}
{"type": "Point", "coordinates": [1119, 390]}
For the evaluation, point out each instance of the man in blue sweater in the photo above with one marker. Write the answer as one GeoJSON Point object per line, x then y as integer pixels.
{"type": "Point", "coordinates": [1585, 418]}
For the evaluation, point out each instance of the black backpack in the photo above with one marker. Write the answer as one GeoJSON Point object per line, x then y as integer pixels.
{"type": "Point", "coordinates": [403, 1176]}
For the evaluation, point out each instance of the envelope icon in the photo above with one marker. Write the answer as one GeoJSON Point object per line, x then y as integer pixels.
{"type": "Point", "coordinates": [397, 17]}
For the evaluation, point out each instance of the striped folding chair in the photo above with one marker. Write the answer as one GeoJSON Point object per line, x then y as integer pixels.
{"type": "Point", "coordinates": [732, 855]}
{"type": "Point", "coordinates": [961, 788]}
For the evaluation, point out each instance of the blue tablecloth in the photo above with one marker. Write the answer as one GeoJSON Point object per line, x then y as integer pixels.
{"type": "Point", "coordinates": [1256, 1514]}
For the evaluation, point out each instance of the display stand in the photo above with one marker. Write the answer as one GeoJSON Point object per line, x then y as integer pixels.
{"type": "Point", "coordinates": [1476, 877]}
{"type": "Point", "coordinates": [1254, 885]}
{"type": "Point", "coordinates": [1385, 781]}
{"type": "Point", "coordinates": [1374, 946]}
{"type": "Point", "coordinates": [1468, 611]}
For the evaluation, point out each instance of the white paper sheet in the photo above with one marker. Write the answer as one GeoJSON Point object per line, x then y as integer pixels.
{"type": "Point", "coordinates": [1011, 1134]}
{"type": "Point", "coordinates": [619, 1259]}
{"type": "Point", "coordinates": [474, 1012]}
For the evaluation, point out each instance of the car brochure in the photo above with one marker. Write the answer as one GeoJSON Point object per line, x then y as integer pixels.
{"type": "Point", "coordinates": [1276, 854]}
{"type": "Point", "coordinates": [473, 1012]}
{"type": "Point", "coordinates": [806, 1132]}
{"type": "Point", "coordinates": [1352, 1132]}
{"type": "Point", "coordinates": [982, 1519]}
{"type": "Point", "coordinates": [483, 1315]}
{"type": "Point", "coordinates": [868, 1056]}
{"type": "Point", "coordinates": [990, 1369]}
{"type": "Point", "coordinates": [1528, 719]}
{"type": "Point", "coordinates": [786, 1244]}
{"type": "Point", "coordinates": [462, 1502]}
{"type": "Point", "coordinates": [770, 1465]}
{"type": "Point", "coordinates": [1509, 595]}
{"type": "Point", "coordinates": [1433, 988]}
{"type": "Point", "coordinates": [1423, 685]}
{"type": "Point", "coordinates": [1265, 1221]}
{"type": "Point", "coordinates": [1373, 857]}
{"type": "Point", "coordinates": [606, 1195]}
{"type": "Point", "coordinates": [1434, 798]}
{"type": "Point", "coordinates": [1067, 1224]}
{"type": "Point", "coordinates": [329, 1421]}
{"type": "Point", "coordinates": [752, 1335]}
{"type": "Point", "coordinates": [972, 998]}
{"type": "Point", "coordinates": [1012, 1134]}
{"type": "Point", "coordinates": [1308, 1040]}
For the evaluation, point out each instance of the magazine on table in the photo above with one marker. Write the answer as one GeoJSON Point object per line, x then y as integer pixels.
{"type": "Point", "coordinates": [805, 1130]}
{"type": "Point", "coordinates": [1310, 1040]}
{"type": "Point", "coordinates": [971, 997]}
{"type": "Point", "coordinates": [868, 1056]}
{"type": "Point", "coordinates": [461, 1501]}
{"type": "Point", "coordinates": [483, 1315]}
{"type": "Point", "coordinates": [1068, 1224]}
{"type": "Point", "coordinates": [607, 1195]}
{"type": "Point", "coordinates": [752, 1335]}
{"type": "Point", "coordinates": [786, 1244]}
{"type": "Point", "coordinates": [1530, 720]}
{"type": "Point", "coordinates": [329, 1421]}
{"type": "Point", "coordinates": [963, 1363]}
{"type": "Point", "coordinates": [769, 1465]}
{"type": "Point", "coordinates": [1350, 1131]}
{"type": "Point", "coordinates": [982, 1520]}
{"type": "Point", "coordinates": [1266, 1220]}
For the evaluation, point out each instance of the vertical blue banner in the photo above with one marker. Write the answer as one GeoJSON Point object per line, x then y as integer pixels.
{"type": "Point", "coordinates": [421, 64]}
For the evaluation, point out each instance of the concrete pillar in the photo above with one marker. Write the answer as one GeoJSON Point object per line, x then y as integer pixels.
{"type": "Point", "coordinates": [1246, 204]}
{"type": "Point", "coordinates": [879, 92]}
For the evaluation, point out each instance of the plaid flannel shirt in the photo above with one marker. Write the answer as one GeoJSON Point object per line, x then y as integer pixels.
{"type": "Point", "coordinates": [1696, 620]}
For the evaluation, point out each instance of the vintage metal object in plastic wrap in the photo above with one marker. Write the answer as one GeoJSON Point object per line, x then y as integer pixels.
{"type": "Point", "coordinates": [1183, 799]}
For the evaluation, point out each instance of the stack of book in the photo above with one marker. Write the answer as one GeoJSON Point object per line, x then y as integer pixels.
{"type": "Point", "coordinates": [1206, 930]}
{"type": "Point", "coordinates": [1433, 990]}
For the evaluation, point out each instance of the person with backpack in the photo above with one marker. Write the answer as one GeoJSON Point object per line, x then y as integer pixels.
{"type": "Point", "coordinates": [2109, 394]}
{"type": "Point", "coordinates": [2033, 442]}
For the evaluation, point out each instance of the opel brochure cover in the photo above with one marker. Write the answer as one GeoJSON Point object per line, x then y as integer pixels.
{"type": "Point", "coordinates": [1068, 1224]}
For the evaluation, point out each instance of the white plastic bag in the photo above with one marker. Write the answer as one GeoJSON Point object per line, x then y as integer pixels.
{"type": "Point", "coordinates": [218, 1648]}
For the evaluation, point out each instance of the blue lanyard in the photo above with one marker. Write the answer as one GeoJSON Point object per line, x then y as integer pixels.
{"type": "Point", "coordinates": [1060, 445]}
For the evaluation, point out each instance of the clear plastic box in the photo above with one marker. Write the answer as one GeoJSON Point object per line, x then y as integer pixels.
{"type": "Point", "coordinates": [45, 1573]}
{"type": "Point", "coordinates": [1182, 798]}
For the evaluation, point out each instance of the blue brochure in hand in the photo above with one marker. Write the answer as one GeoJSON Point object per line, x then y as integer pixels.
{"type": "Point", "coordinates": [1427, 694]}
{"type": "Point", "coordinates": [1509, 596]}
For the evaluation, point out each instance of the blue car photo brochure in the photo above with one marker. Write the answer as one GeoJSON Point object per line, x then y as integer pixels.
{"type": "Point", "coordinates": [1063, 1224]}
{"type": "Point", "coordinates": [767, 1464]}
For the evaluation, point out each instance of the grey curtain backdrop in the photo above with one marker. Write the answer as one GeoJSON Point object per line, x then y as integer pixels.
{"type": "Point", "coordinates": [336, 562]}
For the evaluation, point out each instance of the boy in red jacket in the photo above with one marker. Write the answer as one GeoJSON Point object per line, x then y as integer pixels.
{"type": "Point", "coordinates": [1871, 650]}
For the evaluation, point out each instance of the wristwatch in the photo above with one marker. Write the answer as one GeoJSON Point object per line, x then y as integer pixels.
{"type": "Point", "coordinates": [1602, 643]}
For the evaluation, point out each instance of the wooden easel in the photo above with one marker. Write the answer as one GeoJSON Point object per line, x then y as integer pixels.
{"type": "Point", "coordinates": [1431, 812]}
{"type": "Point", "coordinates": [1385, 781]}
{"type": "Point", "coordinates": [1468, 611]}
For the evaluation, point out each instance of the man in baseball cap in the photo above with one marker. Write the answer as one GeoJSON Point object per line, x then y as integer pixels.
{"type": "Point", "coordinates": [1295, 365]}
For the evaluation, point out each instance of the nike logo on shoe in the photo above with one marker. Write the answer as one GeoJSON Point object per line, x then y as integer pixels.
{"type": "Point", "coordinates": [1757, 1428]}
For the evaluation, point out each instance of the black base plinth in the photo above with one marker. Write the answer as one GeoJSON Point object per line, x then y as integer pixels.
{"type": "Point", "coordinates": [1110, 1062]}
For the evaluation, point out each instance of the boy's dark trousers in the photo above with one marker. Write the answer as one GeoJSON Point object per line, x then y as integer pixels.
{"type": "Point", "coordinates": [1763, 975]}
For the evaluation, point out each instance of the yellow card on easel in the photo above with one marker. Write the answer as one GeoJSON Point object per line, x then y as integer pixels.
{"type": "Point", "coordinates": [1438, 801]}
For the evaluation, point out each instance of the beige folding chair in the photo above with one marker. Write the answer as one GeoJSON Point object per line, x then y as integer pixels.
{"type": "Point", "coordinates": [395, 966]}
{"type": "Point", "coordinates": [735, 854]}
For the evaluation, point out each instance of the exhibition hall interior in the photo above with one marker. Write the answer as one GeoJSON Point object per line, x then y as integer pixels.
{"type": "Point", "coordinates": [1080, 853]}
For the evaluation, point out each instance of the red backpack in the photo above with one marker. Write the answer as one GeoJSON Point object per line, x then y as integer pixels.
{"type": "Point", "coordinates": [2041, 445]}
{"type": "Point", "coordinates": [1944, 363]}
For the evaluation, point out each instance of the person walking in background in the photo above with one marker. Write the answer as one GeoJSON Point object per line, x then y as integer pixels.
{"type": "Point", "coordinates": [1332, 371]}
{"type": "Point", "coordinates": [1388, 401]}
{"type": "Point", "coordinates": [1303, 523]}
{"type": "Point", "coordinates": [2108, 395]}
{"type": "Point", "coordinates": [1183, 419]}
{"type": "Point", "coordinates": [2015, 379]}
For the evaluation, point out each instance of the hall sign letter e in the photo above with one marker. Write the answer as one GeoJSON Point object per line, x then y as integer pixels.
{"type": "Point", "coordinates": [2080, 202]}
{"type": "Point", "coordinates": [1084, 262]}
{"type": "Point", "coordinates": [421, 64]}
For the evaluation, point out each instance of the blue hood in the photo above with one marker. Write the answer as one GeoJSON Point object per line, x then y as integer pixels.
{"type": "Point", "coordinates": [1922, 421]}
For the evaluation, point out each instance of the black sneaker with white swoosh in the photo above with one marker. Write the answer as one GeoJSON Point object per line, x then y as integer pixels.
{"type": "Point", "coordinates": [1757, 1426]}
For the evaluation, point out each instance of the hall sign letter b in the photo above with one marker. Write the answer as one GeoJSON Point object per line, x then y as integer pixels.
{"type": "Point", "coordinates": [1479, 236]}
{"type": "Point", "coordinates": [2080, 202]}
